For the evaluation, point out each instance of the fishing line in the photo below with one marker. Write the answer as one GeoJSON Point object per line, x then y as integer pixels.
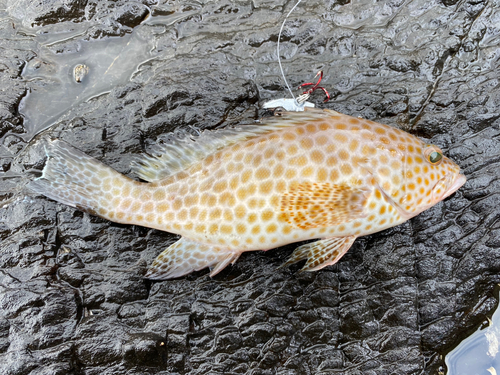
{"type": "Point", "coordinates": [278, 48]}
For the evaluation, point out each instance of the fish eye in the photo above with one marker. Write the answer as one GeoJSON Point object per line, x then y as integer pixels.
{"type": "Point", "coordinates": [433, 155]}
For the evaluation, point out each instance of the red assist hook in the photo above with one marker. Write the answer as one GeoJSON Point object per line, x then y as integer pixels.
{"type": "Point", "coordinates": [316, 86]}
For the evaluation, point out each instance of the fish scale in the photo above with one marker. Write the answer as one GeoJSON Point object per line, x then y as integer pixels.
{"type": "Point", "coordinates": [299, 176]}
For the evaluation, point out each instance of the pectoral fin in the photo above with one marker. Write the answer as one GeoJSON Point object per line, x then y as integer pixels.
{"type": "Point", "coordinates": [186, 256]}
{"type": "Point", "coordinates": [313, 205]}
{"type": "Point", "coordinates": [321, 253]}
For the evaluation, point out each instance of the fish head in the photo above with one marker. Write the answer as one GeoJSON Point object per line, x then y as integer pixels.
{"type": "Point", "coordinates": [414, 175]}
{"type": "Point", "coordinates": [439, 177]}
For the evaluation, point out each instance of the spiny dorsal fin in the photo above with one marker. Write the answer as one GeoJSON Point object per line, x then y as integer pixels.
{"type": "Point", "coordinates": [181, 149]}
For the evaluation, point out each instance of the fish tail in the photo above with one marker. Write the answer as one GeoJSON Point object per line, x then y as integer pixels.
{"type": "Point", "coordinates": [78, 180]}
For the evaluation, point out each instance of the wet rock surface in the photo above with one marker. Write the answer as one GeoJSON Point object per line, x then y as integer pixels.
{"type": "Point", "coordinates": [72, 296]}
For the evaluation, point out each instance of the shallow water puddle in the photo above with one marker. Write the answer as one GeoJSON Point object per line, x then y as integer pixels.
{"type": "Point", "coordinates": [478, 354]}
{"type": "Point", "coordinates": [109, 62]}
{"type": "Point", "coordinates": [60, 81]}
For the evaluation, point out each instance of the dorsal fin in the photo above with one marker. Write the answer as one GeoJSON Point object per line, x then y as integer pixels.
{"type": "Point", "coordinates": [181, 149]}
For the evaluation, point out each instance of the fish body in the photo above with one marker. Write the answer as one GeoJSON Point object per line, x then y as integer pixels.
{"type": "Point", "coordinates": [298, 176]}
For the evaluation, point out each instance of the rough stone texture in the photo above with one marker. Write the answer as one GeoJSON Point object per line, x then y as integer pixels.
{"type": "Point", "coordinates": [72, 297]}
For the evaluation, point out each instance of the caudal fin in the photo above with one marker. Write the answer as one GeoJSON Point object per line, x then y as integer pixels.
{"type": "Point", "coordinates": [78, 180]}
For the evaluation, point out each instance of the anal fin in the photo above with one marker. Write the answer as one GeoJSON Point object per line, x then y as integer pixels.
{"type": "Point", "coordinates": [186, 256]}
{"type": "Point", "coordinates": [321, 253]}
{"type": "Point", "coordinates": [223, 262]}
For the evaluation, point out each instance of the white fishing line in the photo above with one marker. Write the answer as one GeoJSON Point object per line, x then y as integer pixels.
{"type": "Point", "coordinates": [278, 48]}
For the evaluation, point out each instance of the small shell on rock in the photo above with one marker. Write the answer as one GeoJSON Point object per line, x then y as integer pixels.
{"type": "Point", "coordinates": [80, 71]}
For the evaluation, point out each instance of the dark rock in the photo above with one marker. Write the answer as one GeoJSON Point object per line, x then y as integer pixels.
{"type": "Point", "coordinates": [48, 11]}
{"type": "Point", "coordinates": [131, 14]}
{"type": "Point", "coordinates": [72, 296]}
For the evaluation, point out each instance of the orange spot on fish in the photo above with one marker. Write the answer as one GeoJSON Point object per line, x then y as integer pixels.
{"type": "Point", "coordinates": [234, 182]}
{"type": "Point", "coordinates": [278, 170]}
{"type": "Point", "coordinates": [226, 229]}
{"type": "Point", "coordinates": [317, 156]}
{"type": "Point", "coordinates": [267, 215]}
{"type": "Point", "coordinates": [322, 175]}
{"type": "Point", "coordinates": [182, 215]}
{"type": "Point", "coordinates": [220, 186]}
{"type": "Point", "coordinates": [341, 138]}
{"type": "Point", "coordinates": [215, 214]}
{"type": "Point", "coordinates": [252, 203]}
{"type": "Point", "coordinates": [203, 215]}
{"type": "Point", "coordinates": [257, 160]}
{"type": "Point", "coordinates": [269, 153]}
{"type": "Point", "coordinates": [311, 128]}
{"type": "Point", "coordinates": [266, 187]}
{"type": "Point", "coordinates": [242, 193]}
{"type": "Point", "coordinates": [241, 228]}
{"type": "Point", "coordinates": [240, 211]}
{"type": "Point", "coordinates": [346, 169]}
{"type": "Point", "coordinates": [228, 215]}
{"type": "Point", "coordinates": [271, 228]}
{"type": "Point", "coordinates": [245, 176]}
{"type": "Point", "coordinates": [292, 149]}
{"type": "Point", "coordinates": [343, 155]}
{"type": "Point", "coordinates": [323, 126]}
{"type": "Point", "coordinates": [321, 140]}
{"type": "Point", "coordinates": [136, 206]}
{"type": "Point", "coordinates": [193, 212]}
{"type": "Point", "coordinates": [307, 172]}
{"type": "Point", "coordinates": [385, 140]}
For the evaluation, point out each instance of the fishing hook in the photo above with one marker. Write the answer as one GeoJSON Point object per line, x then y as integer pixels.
{"type": "Point", "coordinates": [315, 86]}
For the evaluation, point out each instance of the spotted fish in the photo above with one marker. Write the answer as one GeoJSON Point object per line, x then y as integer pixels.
{"type": "Point", "coordinates": [316, 174]}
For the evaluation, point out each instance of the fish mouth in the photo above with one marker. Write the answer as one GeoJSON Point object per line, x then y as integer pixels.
{"type": "Point", "coordinates": [457, 184]}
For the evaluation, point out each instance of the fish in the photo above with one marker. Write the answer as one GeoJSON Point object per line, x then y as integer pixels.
{"type": "Point", "coordinates": [296, 176]}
